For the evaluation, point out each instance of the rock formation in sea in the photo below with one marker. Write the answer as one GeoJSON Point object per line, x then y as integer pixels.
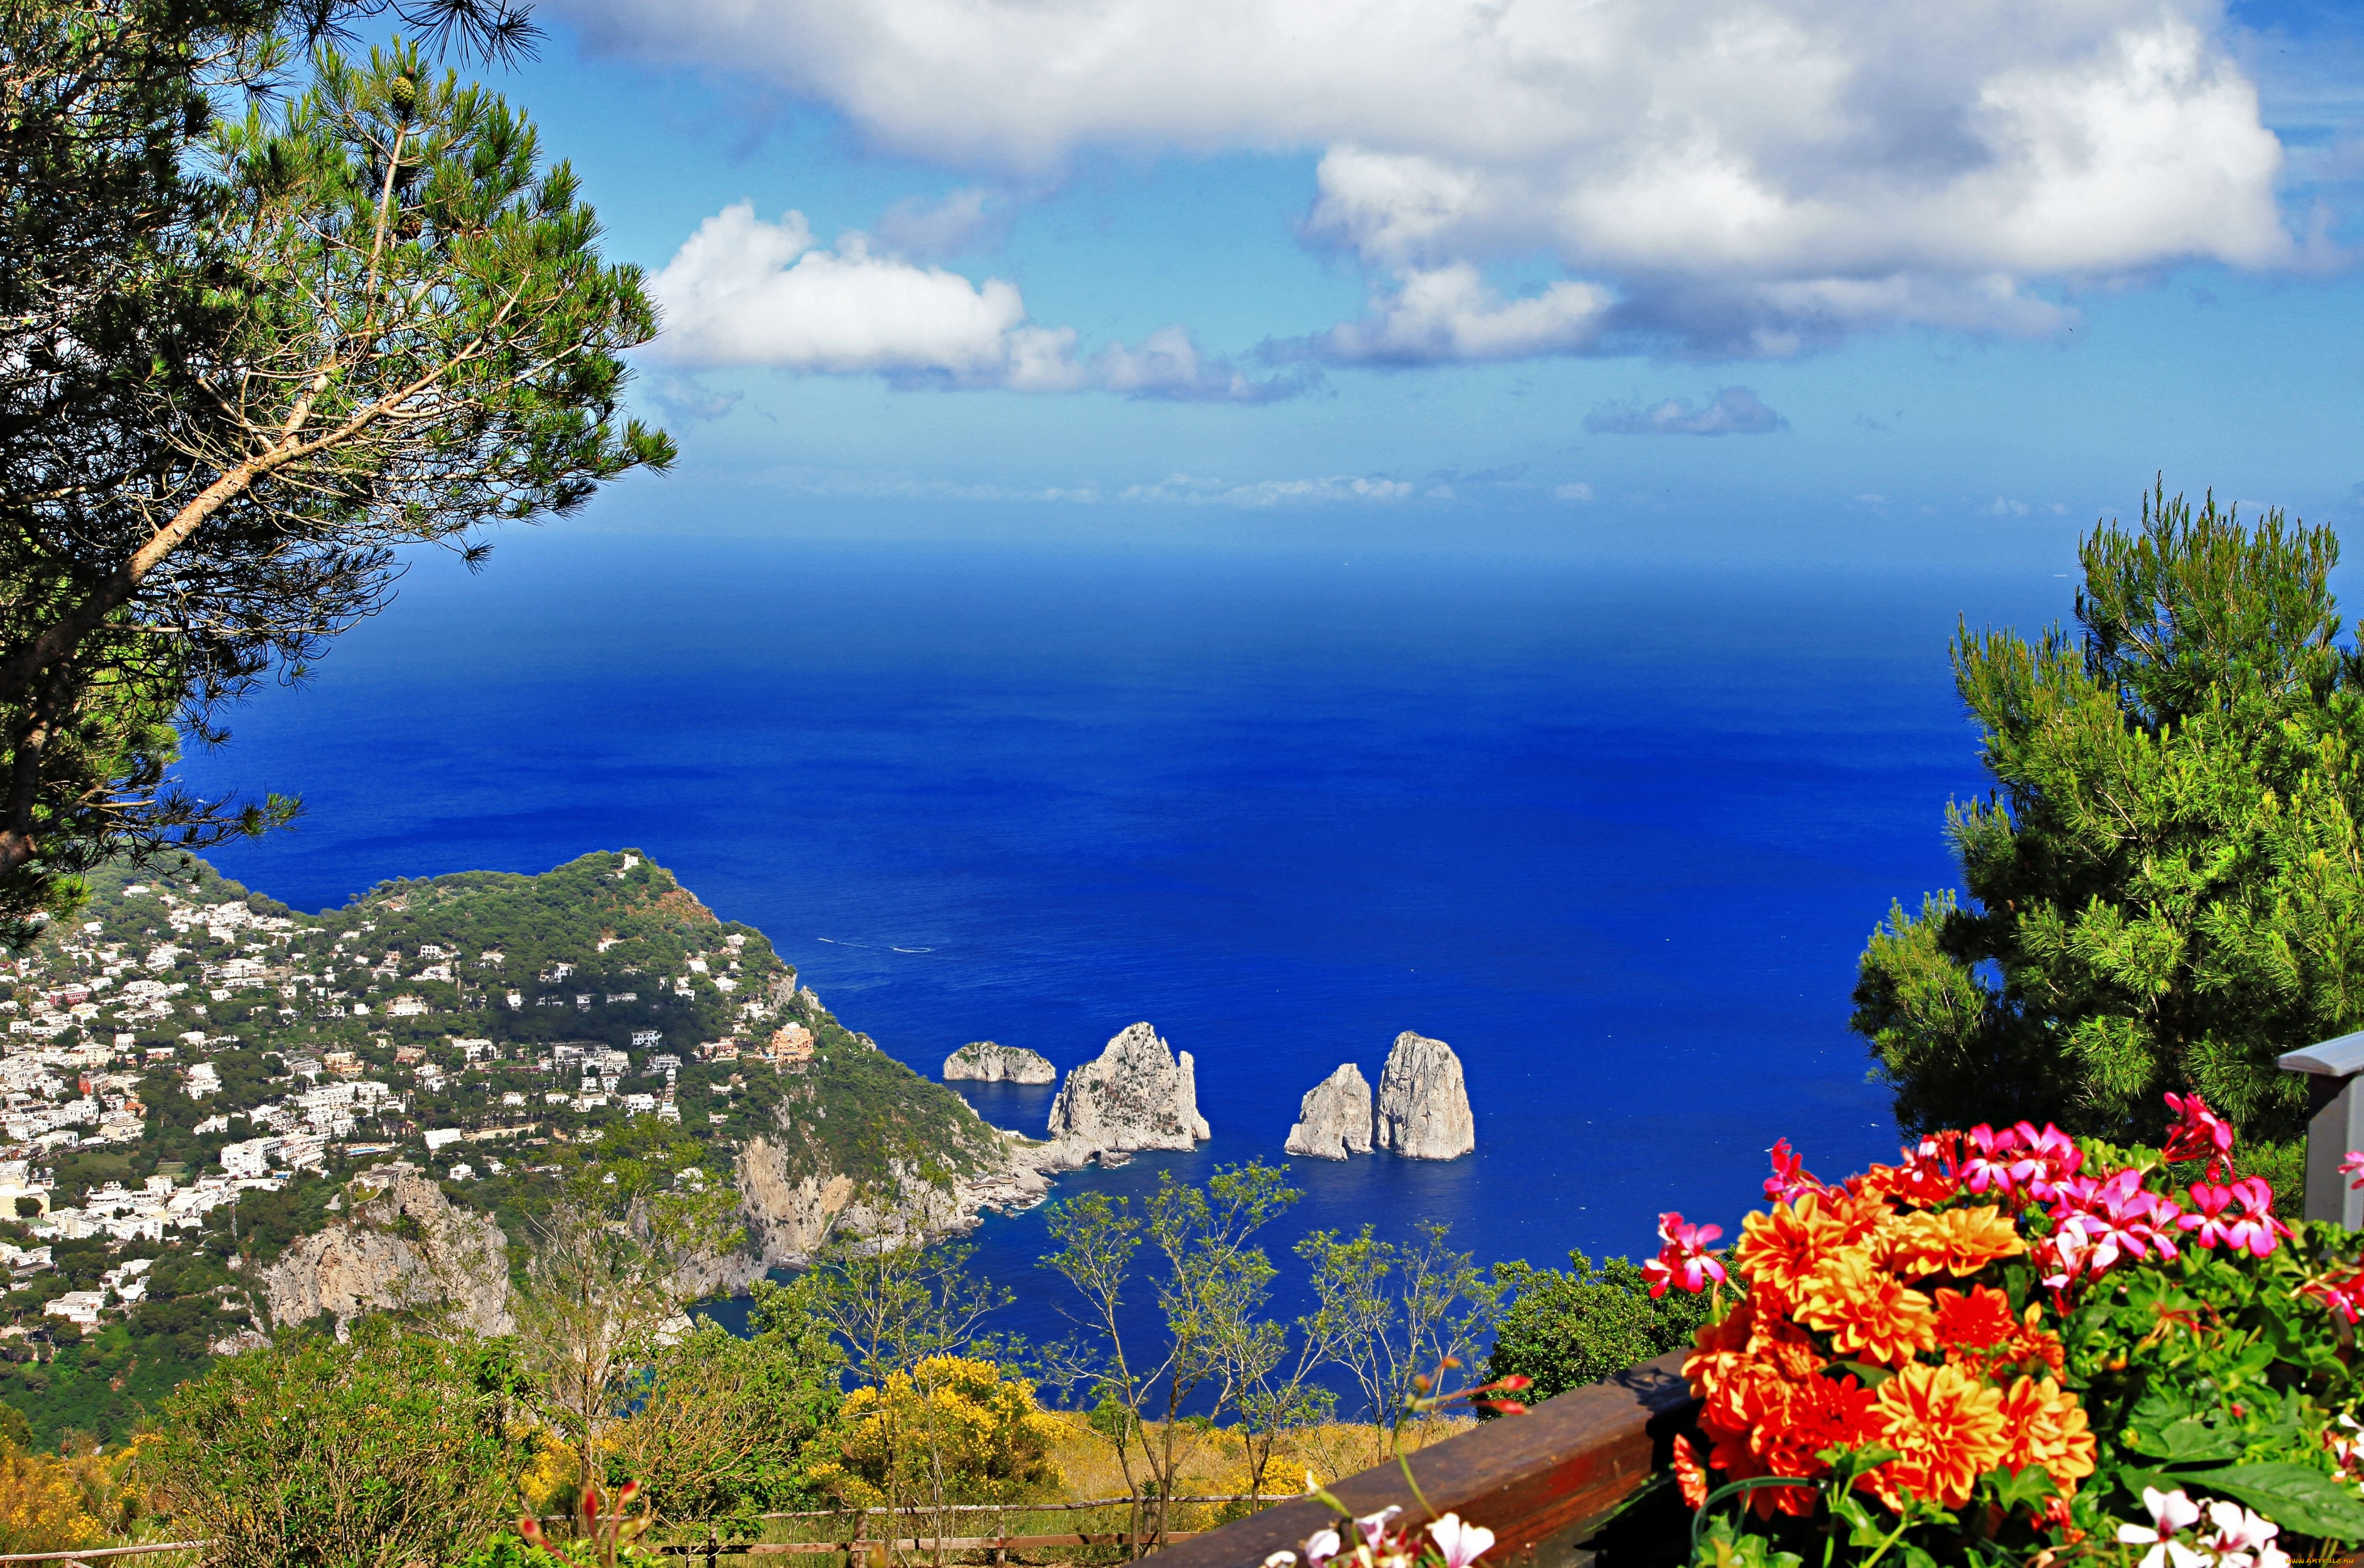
{"type": "Point", "coordinates": [373, 1261]}
{"type": "Point", "coordinates": [1137, 1095]}
{"type": "Point", "coordinates": [1334, 1117]}
{"type": "Point", "coordinates": [1423, 1103]}
{"type": "Point", "coordinates": [982, 1062]}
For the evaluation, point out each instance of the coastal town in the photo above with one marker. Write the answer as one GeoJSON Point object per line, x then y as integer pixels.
{"type": "Point", "coordinates": [183, 1044]}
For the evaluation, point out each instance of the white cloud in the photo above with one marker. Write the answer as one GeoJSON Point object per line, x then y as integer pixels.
{"type": "Point", "coordinates": [945, 226]}
{"type": "Point", "coordinates": [1733, 411]}
{"type": "Point", "coordinates": [1730, 177]}
{"type": "Point", "coordinates": [1449, 314]}
{"type": "Point", "coordinates": [744, 291]}
{"type": "Point", "coordinates": [1335, 488]}
{"type": "Point", "coordinates": [1580, 494]}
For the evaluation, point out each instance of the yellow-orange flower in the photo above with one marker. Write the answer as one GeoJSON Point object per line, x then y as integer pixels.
{"type": "Point", "coordinates": [1947, 1430]}
{"type": "Point", "coordinates": [2046, 1427]}
{"type": "Point", "coordinates": [1947, 1241]}
{"type": "Point", "coordinates": [1866, 1311]}
{"type": "Point", "coordinates": [1779, 1248]}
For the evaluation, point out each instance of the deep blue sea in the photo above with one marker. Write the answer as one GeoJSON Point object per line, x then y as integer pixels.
{"type": "Point", "coordinates": [1617, 834]}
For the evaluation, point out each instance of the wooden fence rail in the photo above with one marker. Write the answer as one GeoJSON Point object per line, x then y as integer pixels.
{"type": "Point", "coordinates": [1544, 1483]}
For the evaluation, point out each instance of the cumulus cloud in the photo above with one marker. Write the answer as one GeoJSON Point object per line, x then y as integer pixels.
{"type": "Point", "coordinates": [1720, 178]}
{"type": "Point", "coordinates": [744, 291]}
{"type": "Point", "coordinates": [1733, 411]}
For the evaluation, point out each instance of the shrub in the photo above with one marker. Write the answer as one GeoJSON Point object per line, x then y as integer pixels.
{"type": "Point", "coordinates": [1565, 1329]}
{"type": "Point", "coordinates": [949, 1416]}
{"type": "Point", "coordinates": [386, 1450]}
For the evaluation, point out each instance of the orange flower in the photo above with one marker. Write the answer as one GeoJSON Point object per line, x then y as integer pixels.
{"type": "Point", "coordinates": [1866, 1311]}
{"type": "Point", "coordinates": [2046, 1427]}
{"type": "Point", "coordinates": [1947, 1430]}
{"type": "Point", "coordinates": [1948, 1241]}
{"type": "Point", "coordinates": [1690, 1479]}
{"type": "Point", "coordinates": [1779, 1248]}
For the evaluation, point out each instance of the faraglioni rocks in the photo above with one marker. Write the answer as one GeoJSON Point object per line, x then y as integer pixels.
{"type": "Point", "coordinates": [982, 1062]}
{"type": "Point", "coordinates": [1424, 1104]}
{"type": "Point", "coordinates": [1137, 1096]}
{"type": "Point", "coordinates": [1334, 1117]}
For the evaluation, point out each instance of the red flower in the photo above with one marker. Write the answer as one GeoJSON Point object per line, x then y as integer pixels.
{"type": "Point", "coordinates": [1689, 1477]}
{"type": "Point", "coordinates": [1790, 1175]}
{"type": "Point", "coordinates": [2200, 1134]}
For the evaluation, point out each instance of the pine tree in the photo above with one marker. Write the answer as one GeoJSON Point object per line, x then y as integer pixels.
{"type": "Point", "coordinates": [2166, 887]}
{"type": "Point", "coordinates": [244, 361]}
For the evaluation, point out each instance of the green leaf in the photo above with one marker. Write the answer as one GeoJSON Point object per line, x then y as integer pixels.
{"type": "Point", "coordinates": [2014, 1490]}
{"type": "Point", "coordinates": [2184, 1441]}
{"type": "Point", "coordinates": [2304, 1501]}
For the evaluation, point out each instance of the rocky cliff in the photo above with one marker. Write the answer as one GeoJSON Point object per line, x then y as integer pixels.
{"type": "Point", "coordinates": [403, 1246]}
{"type": "Point", "coordinates": [1424, 1104]}
{"type": "Point", "coordinates": [1334, 1117]}
{"type": "Point", "coordinates": [982, 1062]}
{"type": "Point", "coordinates": [1137, 1095]}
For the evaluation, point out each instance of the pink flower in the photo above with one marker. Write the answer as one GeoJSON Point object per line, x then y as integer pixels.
{"type": "Point", "coordinates": [2020, 1161]}
{"type": "Point", "coordinates": [2101, 1221]}
{"type": "Point", "coordinates": [2256, 1229]}
{"type": "Point", "coordinates": [2200, 1134]}
{"type": "Point", "coordinates": [1373, 1527]}
{"type": "Point", "coordinates": [1322, 1546]}
{"type": "Point", "coordinates": [1790, 1177]}
{"type": "Point", "coordinates": [2350, 1166]}
{"type": "Point", "coordinates": [1683, 1258]}
{"type": "Point", "coordinates": [1992, 1160]}
{"type": "Point", "coordinates": [1461, 1544]}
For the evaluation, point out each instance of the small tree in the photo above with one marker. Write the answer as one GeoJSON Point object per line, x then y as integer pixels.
{"type": "Point", "coordinates": [1210, 1285]}
{"type": "Point", "coordinates": [2166, 888]}
{"type": "Point", "coordinates": [1392, 1312]}
{"type": "Point", "coordinates": [632, 1237]}
{"type": "Point", "coordinates": [955, 1426]}
{"type": "Point", "coordinates": [724, 1423]}
{"type": "Point", "coordinates": [896, 1302]}
{"type": "Point", "coordinates": [390, 1450]}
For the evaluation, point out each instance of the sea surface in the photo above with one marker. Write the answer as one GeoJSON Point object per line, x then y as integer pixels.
{"type": "Point", "coordinates": [1616, 835]}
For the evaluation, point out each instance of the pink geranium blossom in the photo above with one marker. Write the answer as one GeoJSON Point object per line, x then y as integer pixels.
{"type": "Point", "coordinates": [2099, 1222]}
{"type": "Point", "coordinates": [1790, 1179]}
{"type": "Point", "coordinates": [2353, 1166]}
{"type": "Point", "coordinates": [1683, 1258]}
{"type": "Point", "coordinates": [1460, 1544]}
{"type": "Point", "coordinates": [2240, 1216]}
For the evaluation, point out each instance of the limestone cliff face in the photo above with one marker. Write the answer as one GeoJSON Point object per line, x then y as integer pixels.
{"type": "Point", "coordinates": [984, 1062]}
{"type": "Point", "coordinates": [789, 1214]}
{"type": "Point", "coordinates": [1334, 1117]}
{"type": "Point", "coordinates": [1424, 1104]}
{"type": "Point", "coordinates": [405, 1245]}
{"type": "Point", "coordinates": [1137, 1095]}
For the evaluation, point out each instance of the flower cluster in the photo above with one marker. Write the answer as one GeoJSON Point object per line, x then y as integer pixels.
{"type": "Point", "coordinates": [1899, 1334]}
{"type": "Point", "coordinates": [1863, 1327]}
{"type": "Point", "coordinates": [2233, 1537]}
{"type": "Point", "coordinates": [1385, 1539]}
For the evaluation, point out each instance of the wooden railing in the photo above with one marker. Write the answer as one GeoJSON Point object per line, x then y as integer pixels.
{"type": "Point", "coordinates": [1545, 1482]}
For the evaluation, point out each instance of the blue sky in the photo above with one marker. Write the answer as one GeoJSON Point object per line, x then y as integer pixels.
{"type": "Point", "coordinates": [1739, 278]}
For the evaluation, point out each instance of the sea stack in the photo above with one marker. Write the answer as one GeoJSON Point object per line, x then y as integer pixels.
{"type": "Point", "coordinates": [1334, 1117]}
{"type": "Point", "coordinates": [1137, 1096]}
{"type": "Point", "coordinates": [981, 1062]}
{"type": "Point", "coordinates": [1424, 1104]}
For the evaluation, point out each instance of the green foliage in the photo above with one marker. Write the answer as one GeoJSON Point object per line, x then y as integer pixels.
{"type": "Point", "coordinates": [2219, 1375]}
{"type": "Point", "coordinates": [724, 1424]}
{"type": "Point", "coordinates": [2167, 887]}
{"type": "Point", "coordinates": [1566, 1330]}
{"type": "Point", "coordinates": [391, 1449]}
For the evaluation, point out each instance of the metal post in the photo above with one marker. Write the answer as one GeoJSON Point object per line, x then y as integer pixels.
{"type": "Point", "coordinates": [2335, 1123]}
